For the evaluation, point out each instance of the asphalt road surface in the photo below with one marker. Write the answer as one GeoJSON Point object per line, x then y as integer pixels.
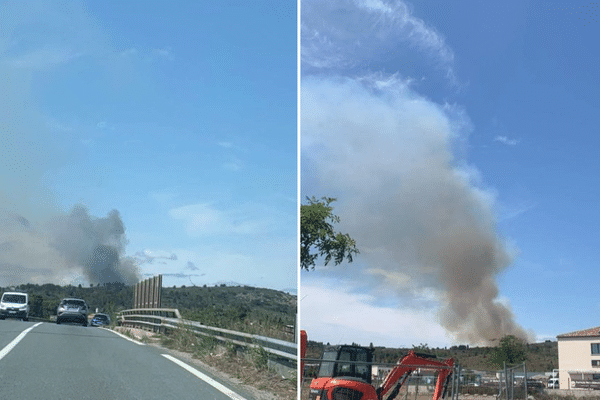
{"type": "Point", "coordinates": [47, 361]}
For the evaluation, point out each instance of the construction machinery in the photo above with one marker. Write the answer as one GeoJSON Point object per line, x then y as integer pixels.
{"type": "Point", "coordinates": [345, 374]}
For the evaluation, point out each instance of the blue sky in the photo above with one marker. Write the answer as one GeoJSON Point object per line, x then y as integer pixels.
{"type": "Point", "coordinates": [180, 115]}
{"type": "Point", "coordinates": [461, 142]}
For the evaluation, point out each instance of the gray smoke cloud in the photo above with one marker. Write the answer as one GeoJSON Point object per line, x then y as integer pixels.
{"type": "Point", "coordinates": [65, 249]}
{"type": "Point", "coordinates": [423, 222]}
{"type": "Point", "coordinates": [39, 242]}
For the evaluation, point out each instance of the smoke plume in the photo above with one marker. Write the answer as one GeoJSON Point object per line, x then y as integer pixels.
{"type": "Point", "coordinates": [65, 249]}
{"type": "Point", "coordinates": [39, 243]}
{"type": "Point", "coordinates": [424, 224]}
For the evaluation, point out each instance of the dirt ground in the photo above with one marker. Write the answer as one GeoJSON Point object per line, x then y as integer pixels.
{"type": "Point", "coordinates": [261, 385]}
{"type": "Point", "coordinates": [406, 396]}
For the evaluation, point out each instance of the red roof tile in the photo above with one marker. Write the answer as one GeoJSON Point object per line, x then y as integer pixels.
{"type": "Point", "coordinates": [583, 333]}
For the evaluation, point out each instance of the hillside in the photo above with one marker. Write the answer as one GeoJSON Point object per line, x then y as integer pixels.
{"type": "Point", "coordinates": [541, 357]}
{"type": "Point", "coordinates": [243, 308]}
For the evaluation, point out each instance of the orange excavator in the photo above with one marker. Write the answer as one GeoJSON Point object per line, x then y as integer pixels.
{"type": "Point", "coordinates": [345, 374]}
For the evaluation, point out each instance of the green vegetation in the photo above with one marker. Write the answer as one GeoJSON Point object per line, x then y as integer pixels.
{"type": "Point", "coordinates": [242, 308]}
{"type": "Point", "coordinates": [260, 357]}
{"type": "Point", "coordinates": [541, 357]}
{"type": "Point", "coordinates": [511, 351]}
{"type": "Point", "coordinates": [250, 367]}
{"type": "Point", "coordinates": [108, 298]}
{"type": "Point", "coordinates": [316, 231]}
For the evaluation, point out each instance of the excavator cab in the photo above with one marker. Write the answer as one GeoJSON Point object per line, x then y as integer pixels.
{"type": "Point", "coordinates": [344, 374]}
{"type": "Point", "coordinates": [350, 362]}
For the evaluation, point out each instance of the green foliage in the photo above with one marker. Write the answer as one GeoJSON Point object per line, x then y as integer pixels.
{"type": "Point", "coordinates": [260, 357]}
{"type": "Point", "coordinates": [231, 349]}
{"type": "Point", "coordinates": [421, 348]}
{"type": "Point", "coordinates": [316, 231]}
{"type": "Point", "coordinates": [109, 298]}
{"type": "Point", "coordinates": [37, 306]}
{"type": "Point", "coordinates": [241, 308]}
{"type": "Point", "coordinates": [511, 350]}
{"type": "Point", "coordinates": [540, 356]}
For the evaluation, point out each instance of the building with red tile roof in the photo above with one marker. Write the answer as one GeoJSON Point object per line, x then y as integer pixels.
{"type": "Point", "coordinates": [579, 359]}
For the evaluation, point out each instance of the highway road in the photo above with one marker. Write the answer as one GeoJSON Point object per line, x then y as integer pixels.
{"type": "Point", "coordinates": [47, 361]}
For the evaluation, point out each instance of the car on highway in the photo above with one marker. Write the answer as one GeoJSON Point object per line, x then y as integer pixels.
{"type": "Point", "coordinates": [72, 310]}
{"type": "Point", "coordinates": [553, 383]}
{"type": "Point", "coordinates": [100, 320]}
{"type": "Point", "coordinates": [14, 305]}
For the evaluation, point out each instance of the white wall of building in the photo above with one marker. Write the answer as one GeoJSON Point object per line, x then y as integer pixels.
{"type": "Point", "coordinates": [575, 354]}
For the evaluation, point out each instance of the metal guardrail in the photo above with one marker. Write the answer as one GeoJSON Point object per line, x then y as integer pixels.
{"type": "Point", "coordinates": [164, 319]}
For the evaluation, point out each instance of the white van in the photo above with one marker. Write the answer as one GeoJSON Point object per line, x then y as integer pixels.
{"type": "Point", "coordinates": [14, 305]}
{"type": "Point", "coordinates": [553, 383]}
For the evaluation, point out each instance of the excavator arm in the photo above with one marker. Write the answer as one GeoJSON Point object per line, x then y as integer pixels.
{"type": "Point", "coordinates": [409, 363]}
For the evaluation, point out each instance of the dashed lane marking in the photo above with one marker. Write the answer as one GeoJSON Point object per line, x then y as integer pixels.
{"type": "Point", "coordinates": [16, 340]}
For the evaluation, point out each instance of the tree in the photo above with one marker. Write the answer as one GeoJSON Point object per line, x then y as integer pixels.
{"type": "Point", "coordinates": [511, 350]}
{"type": "Point", "coordinates": [423, 348]}
{"type": "Point", "coordinates": [316, 231]}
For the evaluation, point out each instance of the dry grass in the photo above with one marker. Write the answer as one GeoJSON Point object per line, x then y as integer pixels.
{"type": "Point", "coordinates": [248, 371]}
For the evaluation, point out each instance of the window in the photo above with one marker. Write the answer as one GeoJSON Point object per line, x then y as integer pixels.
{"type": "Point", "coordinates": [596, 363]}
{"type": "Point", "coordinates": [14, 298]}
{"type": "Point", "coordinates": [595, 348]}
{"type": "Point", "coordinates": [327, 367]}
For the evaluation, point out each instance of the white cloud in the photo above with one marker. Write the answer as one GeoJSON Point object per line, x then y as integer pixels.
{"type": "Point", "coordinates": [164, 53]}
{"type": "Point", "coordinates": [163, 197]}
{"type": "Point", "coordinates": [129, 52]}
{"type": "Point", "coordinates": [542, 337]}
{"type": "Point", "coordinates": [505, 140]}
{"type": "Point", "coordinates": [148, 54]}
{"type": "Point", "coordinates": [233, 165]}
{"type": "Point", "coordinates": [343, 34]}
{"type": "Point", "coordinates": [160, 254]}
{"type": "Point", "coordinates": [205, 219]}
{"type": "Point", "coordinates": [43, 58]}
{"type": "Point", "coordinates": [331, 313]}
{"type": "Point", "coordinates": [513, 212]}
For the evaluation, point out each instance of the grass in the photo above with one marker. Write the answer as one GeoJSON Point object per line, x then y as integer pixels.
{"type": "Point", "coordinates": [251, 369]}
{"type": "Point", "coordinates": [260, 357]}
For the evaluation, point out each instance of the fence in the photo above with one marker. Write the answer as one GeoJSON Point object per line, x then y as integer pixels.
{"type": "Point", "coordinates": [418, 384]}
{"type": "Point", "coordinates": [282, 354]}
{"type": "Point", "coordinates": [509, 387]}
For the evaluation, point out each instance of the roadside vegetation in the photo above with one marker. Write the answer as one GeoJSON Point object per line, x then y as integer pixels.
{"type": "Point", "coordinates": [539, 357]}
{"type": "Point", "coordinates": [249, 368]}
{"type": "Point", "coordinates": [247, 309]}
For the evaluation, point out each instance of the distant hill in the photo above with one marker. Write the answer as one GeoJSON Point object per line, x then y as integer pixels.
{"type": "Point", "coordinates": [541, 357]}
{"type": "Point", "coordinates": [243, 308]}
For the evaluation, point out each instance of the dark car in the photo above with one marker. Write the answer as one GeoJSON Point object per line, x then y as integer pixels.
{"type": "Point", "coordinates": [72, 310]}
{"type": "Point", "coordinates": [100, 320]}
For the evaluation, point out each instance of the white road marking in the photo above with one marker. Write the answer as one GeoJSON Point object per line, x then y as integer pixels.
{"type": "Point", "coordinates": [226, 391]}
{"type": "Point", "coordinates": [125, 337]}
{"type": "Point", "coordinates": [16, 340]}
